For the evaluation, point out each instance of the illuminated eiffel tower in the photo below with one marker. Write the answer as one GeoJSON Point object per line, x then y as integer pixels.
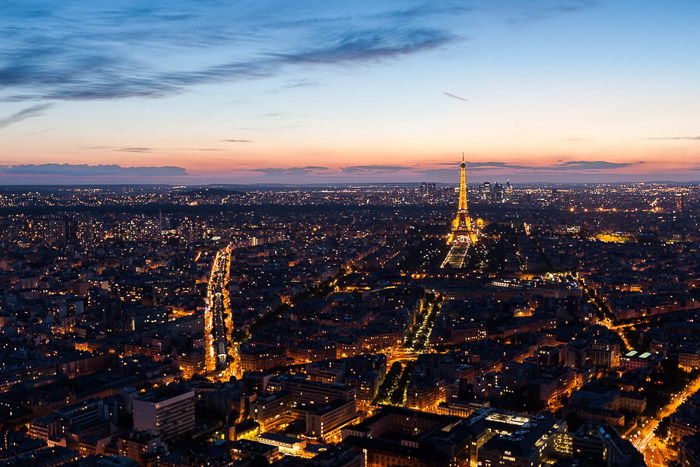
{"type": "Point", "coordinates": [462, 233]}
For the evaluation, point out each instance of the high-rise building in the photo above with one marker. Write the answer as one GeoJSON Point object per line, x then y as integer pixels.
{"type": "Point", "coordinates": [485, 191]}
{"type": "Point", "coordinates": [680, 199]}
{"type": "Point", "coordinates": [167, 412]}
{"type": "Point", "coordinates": [70, 230]}
{"type": "Point", "coordinates": [495, 192]}
{"type": "Point", "coordinates": [498, 193]}
{"type": "Point", "coordinates": [423, 189]}
{"type": "Point", "coordinates": [427, 190]}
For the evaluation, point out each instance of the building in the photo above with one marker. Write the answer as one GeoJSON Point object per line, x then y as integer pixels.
{"type": "Point", "coordinates": [604, 405]}
{"type": "Point", "coordinates": [689, 450]}
{"type": "Point", "coordinates": [633, 360]}
{"type": "Point", "coordinates": [286, 444]}
{"type": "Point", "coordinates": [600, 444]}
{"type": "Point", "coordinates": [139, 446]}
{"type": "Point", "coordinates": [458, 408]}
{"type": "Point", "coordinates": [269, 409]}
{"type": "Point", "coordinates": [685, 421]}
{"type": "Point", "coordinates": [257, 357]}
{"type": "Point", "coordinates": [485, 191]}
{"type": "Point", "coordinates": [680, 202]}
{"type": "Point", "coordinates": [426, 394]}
{"type": "Point", "coordinates": [324, 422]}
{"type": "Point", "coordinates": [306, 391]}
{"type": "Point", "coordinates": [504, 438]}
{"type": "Point", "coordinates": [605, 354]}
{"type": "Point", "coordinates": [246, 448]}
{"type": "Point", "coordinates": [397, 436]}
{"type": "Point", "coordinates": [167, 412]}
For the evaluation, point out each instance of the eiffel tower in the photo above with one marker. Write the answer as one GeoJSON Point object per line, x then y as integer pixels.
{"type": "Point", "coordinates": [462, 233]}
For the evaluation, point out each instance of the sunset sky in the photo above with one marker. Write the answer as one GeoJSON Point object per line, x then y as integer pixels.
{"type": "Point", "coordinates": [269, 91]}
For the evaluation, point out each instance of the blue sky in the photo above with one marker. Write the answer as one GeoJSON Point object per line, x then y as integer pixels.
{"type": "Point", "coordinates": [318, 91]}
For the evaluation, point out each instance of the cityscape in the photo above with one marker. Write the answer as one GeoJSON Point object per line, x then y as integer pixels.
{"type": "Point", "coordinates": [381, 325]}
{"type": "Point", "coordinates": [432, 233]}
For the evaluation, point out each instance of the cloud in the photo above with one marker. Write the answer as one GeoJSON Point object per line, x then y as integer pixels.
{"type": "Point", "coordinates": [592, 165]}
{"type": "Point", "coordinates": [675, 138]}
{"type": "Point", "coordinates": [368, 44]}
{"type": "Point", "coordinates": [90, 170]}
{"type": "Point", "coordinates": [237, 140]}
{"type": "Point", "coordinates": [29, 112]}
{"type": "Point", "coordinates": [134, 149]}
{"type": "Point", "coordinates": [290, 171]}
{"type": "Point", "coordinates": [494, 165]}
{"type": "Point", "coordinates": [562, 166]}
{"type": "Point", "coordinates": [202, 149]}
{"type": "Point", "coordinates": [146, 150]}
{"type": "Point", "coordinates": [454, 96]}
{"type": "Point", "coordinates": [478, 166]}
{"type": "Point", "coordinates": [40, 132]}
{"type": "Point", "coordinates": [530, 12]}
{"type": "Point", "coordinates": [364, 169]}
{"type": "Point", "coordinates": [276, 114]}
{"type": "Point", "coordinates": [122, 48]}
{"type": "Point", "coordinates": [301, 83]}
{"type": "Point", "coordinates": [74, 52]}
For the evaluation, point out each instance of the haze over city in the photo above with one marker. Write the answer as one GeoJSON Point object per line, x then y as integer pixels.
{"type": "Point", "coordinates": [314, 92]}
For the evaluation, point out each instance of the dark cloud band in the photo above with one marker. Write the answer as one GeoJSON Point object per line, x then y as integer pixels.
{"type": "Point", "coordinates": [90, 170]}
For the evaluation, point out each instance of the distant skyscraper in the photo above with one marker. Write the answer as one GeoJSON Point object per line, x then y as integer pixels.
{"type": "Point", "coordinates": [498, 193]}
{"type": "Point", "coordinates": [679, 202]}
{"type": "Point", "coordinates": [495, 192]}
{"type": "Point", "coordinates": [508, 189]}
{"type": "Point", "coordinates": [70, 230]}
{"type": "Point", "coordinates": [427, 190]}
{"type": "Point", "coordinates": [485, 191]}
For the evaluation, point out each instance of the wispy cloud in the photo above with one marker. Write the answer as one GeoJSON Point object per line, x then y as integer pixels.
{"type": "Point", "coordinates": [562, 166]}
{"type": "Point", "coordinates": [134, 149]}
{"type": "Point", "coordinates": [237, 140]}
{"type": "Point", "coordinates": [40, 132]}
{"type": "Point", "coordinates": [488, 165]}
{"type": "Point", "coordinates": [290, 171]}
{"type": "Point", "coordinates": [364, 169]}
{"type": "Point", "coordinates": [44, 60]}
{"type": "Point", "coordinates": [147, 150]}
{"type": "Point", "coordinates": [455, 96]}
{"type": "Point", "coordinates": [592, 165]}
{"type": "Point", "coordinates": [530, 12]}
{"type": "Point", "coordinates": [90, 170]}
{"type": "Point", "coordinates": [675, 138]}
{"type": "Point", "coordinates": [301, 83]}
{"type": "Point", "coordinates": [75, 50]}
{"type": "Point", "coordinates": [29, 112]}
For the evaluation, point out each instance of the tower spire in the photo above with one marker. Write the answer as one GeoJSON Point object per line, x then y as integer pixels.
{"type": "Point", "coordinates": [462, 229]}
{"type": "Point", "coordinates": [462, 233]}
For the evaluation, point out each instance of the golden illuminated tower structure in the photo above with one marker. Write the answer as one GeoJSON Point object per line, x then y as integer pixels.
{"type": "Point", "coordinates": [462, 229]}
{"type": "Point", "coordinates": [462, 233]}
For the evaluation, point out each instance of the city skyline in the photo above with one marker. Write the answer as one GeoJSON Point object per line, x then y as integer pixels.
{"type": "Point", "coordinates": [318, 93]}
